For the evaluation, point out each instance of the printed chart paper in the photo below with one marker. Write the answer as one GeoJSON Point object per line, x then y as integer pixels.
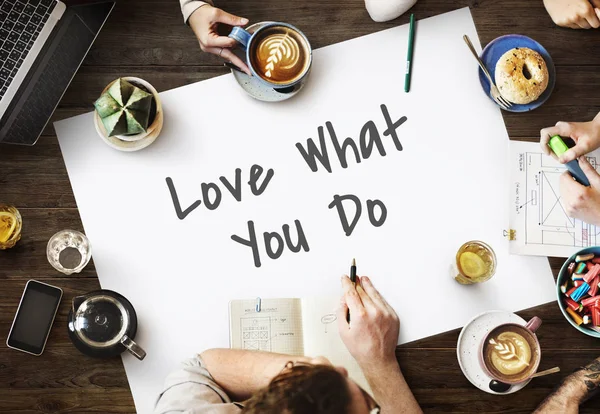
{"type": "Point", "coordinates": [235, 198]}
{"type": "Point", "coordinates": [537, 212]}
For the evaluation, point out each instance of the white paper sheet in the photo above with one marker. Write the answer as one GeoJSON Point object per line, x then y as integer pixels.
{"type": "Point", "coordinates": [447, 186]}
{"type": "Point", "coordinates": [537, 212]}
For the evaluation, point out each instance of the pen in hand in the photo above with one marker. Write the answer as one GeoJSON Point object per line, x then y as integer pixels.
{"type": "Point", "coordinates": [353, 280]}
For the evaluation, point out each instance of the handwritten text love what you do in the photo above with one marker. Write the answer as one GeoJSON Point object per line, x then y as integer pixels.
{"type": "Point", "coordinates": [315, 155]}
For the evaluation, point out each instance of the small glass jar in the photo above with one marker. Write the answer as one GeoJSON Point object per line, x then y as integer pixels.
{"type": "Point", "coordinates": [475, 263]}
{"type": "Point", "coordinates": [10, 226]}
{"type": "Point", "coordinates": [69, 251]}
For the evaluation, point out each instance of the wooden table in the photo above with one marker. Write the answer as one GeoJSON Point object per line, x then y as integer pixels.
{"type": "Point", "coordinates": [147, 38]}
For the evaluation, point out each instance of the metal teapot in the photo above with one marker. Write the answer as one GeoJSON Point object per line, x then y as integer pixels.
{"type": "Point", "coordinates": [103, 324]}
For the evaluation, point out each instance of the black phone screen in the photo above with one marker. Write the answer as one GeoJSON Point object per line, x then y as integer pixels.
{"type": "Point", "coordinates": [34, 317]}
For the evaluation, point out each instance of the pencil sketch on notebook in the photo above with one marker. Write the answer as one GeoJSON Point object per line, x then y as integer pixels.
{"type": "Point", "coordinates": [538, 214]}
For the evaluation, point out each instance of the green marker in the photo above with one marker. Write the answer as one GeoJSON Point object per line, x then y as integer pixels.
{"type": "Point", "coordinates": [411, 41]}
{"type": "Point", "coordinates": [558, 146]}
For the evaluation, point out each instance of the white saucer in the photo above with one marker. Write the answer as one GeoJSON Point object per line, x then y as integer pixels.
{"type": "Point", "coordinates": [467, 348]}
{"type": "Point", "coordinates": [253, 86]}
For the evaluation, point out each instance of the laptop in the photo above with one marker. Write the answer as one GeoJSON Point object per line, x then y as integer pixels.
{"type": "Point", "coordinates": [42, 44]}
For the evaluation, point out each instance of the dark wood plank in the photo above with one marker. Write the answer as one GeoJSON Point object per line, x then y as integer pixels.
{"type": "Point", "coordinates": [27, 260]}
{"type": "Point", "coordinates": [132, 35]}
{"type": "Point", "coordinates": [434, 377]}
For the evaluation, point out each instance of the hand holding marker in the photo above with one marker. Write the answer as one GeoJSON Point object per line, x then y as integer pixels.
{"type": "Point", "coordinates": [559, 147]}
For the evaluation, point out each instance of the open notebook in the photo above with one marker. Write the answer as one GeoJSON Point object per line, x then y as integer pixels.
{"type": "Point", "coordinates": [292, 326]}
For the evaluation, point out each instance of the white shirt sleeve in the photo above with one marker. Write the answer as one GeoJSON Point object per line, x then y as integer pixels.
{"type": "Point", "coordinates": [190, 6]}
{"type": "Point", "coordinates": [192, 390]}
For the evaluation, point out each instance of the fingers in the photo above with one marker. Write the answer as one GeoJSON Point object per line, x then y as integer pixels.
{"type": "Point", "coordinates": [351, 296]}
{"type": "Point", "coordinates": [583, 23]}
{"type": "Point", "coordinates": [580, 149]}
{"type": "Point", "coordinates": [219, 41]}
{"type": "Point", "coordinates": [227, 54]}
{"type": "Point", "coordinates": [222, 16]}
{"type": "Point", "coordinates": [375, 295]}
{"type": "Point", "coordinates": [342, 313]}
{"type": "Point", "coordinates": [590, 172]}
{"type": "Point", "coordinates": [591, 17]}
{"type": "Point", "coordinates": [597, 10]}
{"type": "Point", "coordinates": [561, 128]}
{"type": "Point", "coordinates": [364, 298]}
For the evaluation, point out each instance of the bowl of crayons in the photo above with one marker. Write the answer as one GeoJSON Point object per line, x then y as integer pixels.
{"type": "Point", "coordinates": [578, 290]}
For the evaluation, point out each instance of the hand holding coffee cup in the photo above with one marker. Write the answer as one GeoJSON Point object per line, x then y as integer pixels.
{"type": "Point", "coordinates": [205, 22]}
{"type": "Point", "coordinates": [511, 353]}
{"type": "Point", "coordinates": [277, 54]}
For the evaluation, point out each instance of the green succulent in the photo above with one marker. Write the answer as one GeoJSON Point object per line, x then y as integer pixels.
{"type": "Point", "coordinates": [124, 109]}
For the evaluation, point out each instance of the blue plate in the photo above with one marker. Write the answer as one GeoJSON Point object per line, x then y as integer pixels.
{"type": "Point", "coordinates": [497, 47]}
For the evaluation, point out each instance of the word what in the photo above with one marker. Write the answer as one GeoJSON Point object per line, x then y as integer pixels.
{"type": "Point", "coordinates": [369, 138]}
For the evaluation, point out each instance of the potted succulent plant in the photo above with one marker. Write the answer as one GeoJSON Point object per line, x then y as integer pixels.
{"type": "Point", "coordinates": [128, 114]}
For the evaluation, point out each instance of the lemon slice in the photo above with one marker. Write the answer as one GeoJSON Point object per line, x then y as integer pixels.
{"type": "Point", "coordinates": [472, 265]}
{"type": "Point", "coordinates": [8, 222]}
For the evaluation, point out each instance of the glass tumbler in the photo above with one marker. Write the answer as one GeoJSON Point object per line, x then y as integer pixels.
{"type": "Point", "coordinates": [69, 251]}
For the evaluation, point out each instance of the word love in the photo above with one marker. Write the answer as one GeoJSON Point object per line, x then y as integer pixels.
{"type": "Point", "coordinates": [235, 189]}
{"type": "Point", "coordinates": [369, 138]}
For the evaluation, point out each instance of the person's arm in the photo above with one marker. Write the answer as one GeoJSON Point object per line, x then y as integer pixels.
{"type": "Point", "coordinates": [241, 373]}
{"type": "Point", "coordinates": [190, 6]}
{"type": "Point", "coordinates": [204, 21]}
{"type": "Point", "coordinates": [574, 390]}
{"type": "Point", "coordinates": [575, 14]}
{"type": "Point", "coordinates": [371, 337]}
{"type": "Point", "coordinates": [582, 202]}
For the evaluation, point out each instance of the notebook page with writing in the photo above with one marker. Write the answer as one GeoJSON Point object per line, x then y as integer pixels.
{"type": "Point", "coordinates": [321, 336]}
{"type": "Point", "coordinates": [276, 328]}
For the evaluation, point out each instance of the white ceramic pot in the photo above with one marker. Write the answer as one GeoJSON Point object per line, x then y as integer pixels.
{"type": "Point", "coordinates": [138, 141]}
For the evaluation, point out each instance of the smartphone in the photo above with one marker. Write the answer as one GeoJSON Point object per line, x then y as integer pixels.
{"type": "Point", "coordinates": [35, 316]}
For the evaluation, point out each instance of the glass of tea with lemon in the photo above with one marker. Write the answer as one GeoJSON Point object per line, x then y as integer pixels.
{"type": "Point", "coordinates": [475, 263]}
{"type": "Point", "coordinates": [10, 226]}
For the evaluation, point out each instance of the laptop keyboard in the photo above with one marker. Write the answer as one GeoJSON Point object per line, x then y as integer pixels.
{"type": "Point", "coordinates": [20, 24]}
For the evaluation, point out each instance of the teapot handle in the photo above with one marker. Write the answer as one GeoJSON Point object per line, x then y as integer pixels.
{"type": "Point", "coordinates": [133, 348]}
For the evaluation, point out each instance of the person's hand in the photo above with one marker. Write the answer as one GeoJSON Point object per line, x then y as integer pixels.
{"type": "Point", "coordinates": [576, 14]}
{"type": "Point", "coordinates": [582, 202]}
{"type": "Point", "coordinates": [372, 334]}
{"type": "Point", "coordinates": [585, 134]}
{"type": "Point", "coordinates": [205, 21]}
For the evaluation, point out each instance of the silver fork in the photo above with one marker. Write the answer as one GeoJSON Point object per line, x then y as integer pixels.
{"type": "Point", "coordinates": [500, 100]}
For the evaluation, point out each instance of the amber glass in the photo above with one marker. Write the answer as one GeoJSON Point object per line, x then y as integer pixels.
{"type": "Point", "coordinates": [10, 226]}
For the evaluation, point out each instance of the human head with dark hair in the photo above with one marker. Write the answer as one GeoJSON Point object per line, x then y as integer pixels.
{"type": "Point", "coordinates": [317, 388]}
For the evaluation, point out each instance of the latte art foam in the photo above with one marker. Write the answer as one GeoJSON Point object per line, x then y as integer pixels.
{"type": "Point", "coordinates": [280, 55]}
{"type": "Point", "coordinates": [509, 353]}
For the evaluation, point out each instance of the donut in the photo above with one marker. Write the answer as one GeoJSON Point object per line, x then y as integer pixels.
{"type": "Point", "coordinates": [521, 75]}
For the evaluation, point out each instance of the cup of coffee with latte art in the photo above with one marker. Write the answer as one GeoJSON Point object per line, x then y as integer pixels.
{"type": "Point", "coordinates": [511, 352]}
{"type": "Point", "coordinates": [278, 54]}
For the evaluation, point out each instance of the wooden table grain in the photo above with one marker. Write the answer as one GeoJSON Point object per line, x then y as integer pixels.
{"type": "Point", "coordinates": [147, 38]}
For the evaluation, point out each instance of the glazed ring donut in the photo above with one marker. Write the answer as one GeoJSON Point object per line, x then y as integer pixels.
{"type": "Point", "coordinates": [521, 75]}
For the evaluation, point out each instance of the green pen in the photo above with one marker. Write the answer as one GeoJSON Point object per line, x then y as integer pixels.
{"type": "Point", "coordinates": [409, 56]}
{"type": "Point", "coordinates": [558, 146]}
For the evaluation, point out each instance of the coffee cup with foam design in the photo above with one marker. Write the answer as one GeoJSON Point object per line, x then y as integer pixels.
{"type": "Point", "coordinates": [511, 353]}
{"type": "Point", "coordinates": [278, 54]}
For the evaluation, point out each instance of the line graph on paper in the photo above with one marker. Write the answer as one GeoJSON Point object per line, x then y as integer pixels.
{"type": "Point", "coordinates": [538, 213]}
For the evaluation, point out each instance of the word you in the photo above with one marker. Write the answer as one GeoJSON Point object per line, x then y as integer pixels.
{"type": "Point", "coordinates": [273, 241]}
